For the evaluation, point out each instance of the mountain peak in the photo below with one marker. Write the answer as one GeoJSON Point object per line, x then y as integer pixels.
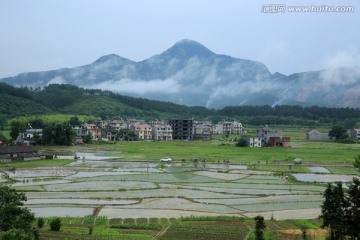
{"type": "Point", "coordinates": [187, 42]}
{"type": "Point", "coordinates": [188, 48]}
{"type": "Point", "coordinates": [111, 58]}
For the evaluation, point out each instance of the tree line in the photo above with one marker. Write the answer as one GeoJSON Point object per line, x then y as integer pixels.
{"type": "Point", "coordinates": [60, 134]}
{"type": "Point", "coordinates": [69, 99]}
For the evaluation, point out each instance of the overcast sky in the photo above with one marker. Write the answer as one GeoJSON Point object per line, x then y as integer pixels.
{"type": "Point", "coordinates": [40, 35]}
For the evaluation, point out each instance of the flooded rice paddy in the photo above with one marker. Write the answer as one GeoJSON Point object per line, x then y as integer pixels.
{"type": "Point", "coordinates": [318, 170]}
{"type": "Point", "coordinates": [116, 189]}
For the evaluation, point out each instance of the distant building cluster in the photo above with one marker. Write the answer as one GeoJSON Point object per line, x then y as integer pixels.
{"type": "Point", "coordinates": [174, 129]}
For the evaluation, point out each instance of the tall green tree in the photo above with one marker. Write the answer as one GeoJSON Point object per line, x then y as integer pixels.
{"type": "Point", "coordinates": [259, 227]}
{"type": "Point", "coordinates": [353, 211]}
{"type": "Point", "coordinates": [334, 211]}
{"type": "Point", "coordinates": [356, 163]}
{"type": "Point", "coordinates": [242, 142]}
{"type": "Point", "coordinates": [74, 121]}
{"type": "Point", "coordinates": [88, 138]}
{"type": "Point", "coordinates": [338, 132]}
{"type": "Point", "coordinates": [2, 122]}
{"type": "Point", "coordinates": [60, 134]}
{"type": "Point", "coordinates": [340, 210]}
{"type": "Point", "coordinates": [13, 215]}
{"type": "Point", "coordinates": [16, 128]}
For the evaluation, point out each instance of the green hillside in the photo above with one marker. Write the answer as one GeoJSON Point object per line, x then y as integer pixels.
{"type": "Point", "coordinates": [71, 100]}
{"type": "Point", "coordinates": [13, 106]}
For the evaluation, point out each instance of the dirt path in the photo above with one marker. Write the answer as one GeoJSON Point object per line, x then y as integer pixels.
{"type": "Point", "coordinates": [162, 232]}
{"type": "Point", "coordinates": [250, 231]}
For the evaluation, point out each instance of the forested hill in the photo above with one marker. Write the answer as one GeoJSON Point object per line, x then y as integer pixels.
{"type": "Point", "coordinates": [69, 99]}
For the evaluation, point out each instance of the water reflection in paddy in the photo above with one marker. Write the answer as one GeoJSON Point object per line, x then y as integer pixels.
{"type": "Point", "coordinates": [61, 211]}
{"type": "Point", "coordinates": [311, 177]}
{"type": "Point", "coordinates": [318, 170]}
{"type": "Point", "coordinates": [79, 201]}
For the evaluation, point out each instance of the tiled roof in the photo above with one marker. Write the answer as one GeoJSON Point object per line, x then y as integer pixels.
{"type": "Point", "coordinates": [17, 149]}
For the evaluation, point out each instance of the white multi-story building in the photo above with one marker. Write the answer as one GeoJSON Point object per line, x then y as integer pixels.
{"type": "Point", "coordinates": [266, 133]}
{"type": "Point", "coordinates": [162, 132]}
{"type": "Point", "coordinates": [227, 127]}
{"type": "Point", "coordinates": [118, 124]}
{"type": "Point", "coordinates": [355, 133]}
{"type": "Point", "coordinates": [253, 141]}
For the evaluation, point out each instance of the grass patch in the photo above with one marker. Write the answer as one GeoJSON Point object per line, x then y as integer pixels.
{"type": "Point", "coordinates": [141, 226]}
{"type": "Point", "coordinates": [207, 230]}
{"type": "Point", "coordinates": [210, 218]}
{"type": "Point", "coordinates": [343, 170]}
{"type": "Point", "coordinates": [304, 223]}
{"type": "Point", "coordinates": [37, 163]}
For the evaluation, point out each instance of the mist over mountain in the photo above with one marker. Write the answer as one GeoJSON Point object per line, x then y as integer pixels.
{"type": "Point", "coordinates": [189, 73]}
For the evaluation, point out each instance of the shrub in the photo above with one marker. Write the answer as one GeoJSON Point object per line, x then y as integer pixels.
{"type": "Point", "coordinates": [55, 224]}
{"type": "Point", "coordinates": [241, 143]}
{"type": "Point", "coordinates": [40, 222]}
{"type": "Point", "coordinates": [18, 234]}
{"type": "Point", "coordinates": [36, 234]}
{"type": "Point", "coordinates": [345, 141]}
{"type": "Point", "coordinates": [88, 219]}
{"type": "Point", "coordinates": [102, 220]}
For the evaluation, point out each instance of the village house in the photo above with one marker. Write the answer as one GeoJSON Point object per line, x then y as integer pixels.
{"type": "Point", "coordinates": [94, 130]}
{"type": "Point", "coordinates": [253, 141]}
{"type": "Point", "coordinates": [272, 137]}
{"type": "Point", "coordinates": [29, 137]}
{"type": "Point", "coordinates": [182, 129]}
{"type": "Point", "coordinates": [135, 121]}
{"type": "Point", "coordinates": [237, 128]}
{"type": "Point", "coordinates": [355, 134]}
{"type": "Point", "coordinates": [9, 153]}
{"type": "Point", "coordinates": [108, 134]}
{"type": "Point", "coordinates": [227, 127]}
{"type": "Point", "coordinates": [162, 132]}
{"type": "Point", "coordinates": [202, 130]}
{"type": "Point", "coordinates": [118, 124]}
{"type": "Point", "coordinates": [314, 135]}
{"type": "Point", "coordinates": [80, 131]}
{"type": "Point", "coordinates": [102, 123]}
{"type": "Point", "coordinates": [142, 131]}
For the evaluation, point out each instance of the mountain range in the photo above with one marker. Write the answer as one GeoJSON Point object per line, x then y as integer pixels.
{"type": "Point", "coordinates": [188, 73]}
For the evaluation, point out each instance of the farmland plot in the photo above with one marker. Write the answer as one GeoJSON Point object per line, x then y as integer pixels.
{"type": "Point", "coordinates": [117, 189]}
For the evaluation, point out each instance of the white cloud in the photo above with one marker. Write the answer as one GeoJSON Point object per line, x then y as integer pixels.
{"type": "Point", "coordinates": [344, 58]}
{"type": "Point", "coordinates": [342, 68]}
{"type": "Point", "coordinates": [57, 80]}
{"type": "Point", "coordinates": [166, 86]}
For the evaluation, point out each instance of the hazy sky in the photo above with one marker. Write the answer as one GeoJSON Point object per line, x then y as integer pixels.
{"type": "Point", "coordinates": [37, 35]}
